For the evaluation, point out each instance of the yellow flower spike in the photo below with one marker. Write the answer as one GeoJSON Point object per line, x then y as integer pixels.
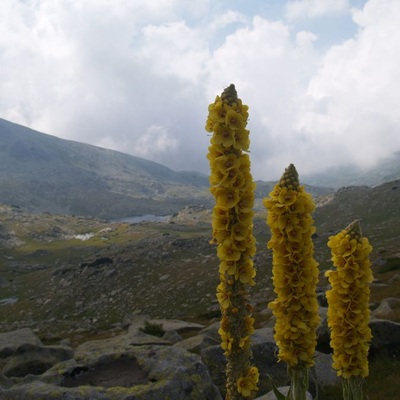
{"type": "Point", "coordinates": [228, 267]}
{"type": "Point", "coordinates": [242, 141]}
{"type": "Point", "coordinates": [234, 120]}
{"type": "Point", "coordinates": [223, 135]}
{"type": "Point", "coordinates": [232, 228]}
{"type": "Point", "coordinates": [248, 384]}
{"type": "Point", "coordinates": [348, 307]}
{"type": "Point", "coordinates": [245, 386]}
{"type": "Point", "coordinates": [295, 277]}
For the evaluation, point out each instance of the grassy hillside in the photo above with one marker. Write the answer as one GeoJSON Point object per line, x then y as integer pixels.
{"type": "Point", "coordinates": [39, 172]}
{"type": "Point", "coordinates": [64, 271]}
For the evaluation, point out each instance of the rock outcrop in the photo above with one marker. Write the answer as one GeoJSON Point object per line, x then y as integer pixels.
{"type": "Point", "coordinates": [133, 366]}
{"type": "Point", "coordinates": [138, 366]}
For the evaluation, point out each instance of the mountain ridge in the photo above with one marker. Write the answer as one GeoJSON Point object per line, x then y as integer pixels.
{"type": "Point", "coordinates": [43, 173]}
{"type": "Point", "coordinates": [385, 170]}
{"type": "Point", "coordinates": [40, 172]}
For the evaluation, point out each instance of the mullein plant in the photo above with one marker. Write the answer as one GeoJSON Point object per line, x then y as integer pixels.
{"type": "Point", "coordinates": [348, 307]}
{"type": "Point", "coordinates": [295, 278]}
{"type": "Point", "coordinates": [232, 230]}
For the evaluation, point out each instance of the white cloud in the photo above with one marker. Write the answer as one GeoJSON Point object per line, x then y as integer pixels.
{"type": "Point", "coordinates": [263, 62]}
{"type": "Point", "coordinates": [354, 94]}
{"type": "Point", "coordinates": [174, 48]}
{"type": "Point", "coordinates": [299, 9]}
{"type": "Point", "coordinates": [138, 78]}
{"type": "Point", "coordinates": [225, 19]}
{"type": "Point", "coordinates": [154, 142]}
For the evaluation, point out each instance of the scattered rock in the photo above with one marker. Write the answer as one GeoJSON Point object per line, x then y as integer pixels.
{"type": "Point", "coordinates": [205, 338]}
{"type": "Point", "coordinates": [196, 344]}
{"type": "Point", "coordinates": [172, 337]}
{"type": "Point", "coordinates": [388, 309]}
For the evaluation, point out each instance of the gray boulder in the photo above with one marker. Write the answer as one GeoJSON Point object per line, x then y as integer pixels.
{"type": "Point", "coordinates": [263, 335]}
{"type": "Point", "coordinates": [385, 338]}
{"type": "Point", "coordinates": [205, 338]}
{"type": "Point", "coordinates": [5, 382]}
{"type": "Point", "coordinates": [388, 309]}
{"type": "Point", "coordinates": [196, 344]}
{"type": "Point", "coordinates": [214, 359]}
{"type": "Point", "coordinates": [10, 342]}
{"type": "Point", "coordinates": [172, 337]}
{"type": "Point", "coordinates": [323, 374]}
{"type": "Point", "coordinates": [35, 360]}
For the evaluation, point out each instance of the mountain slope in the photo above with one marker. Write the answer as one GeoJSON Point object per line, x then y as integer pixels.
{"type": "Point", "coordinates": [385, 170]}
{"type": "Point", "coordinates": [39, 172]}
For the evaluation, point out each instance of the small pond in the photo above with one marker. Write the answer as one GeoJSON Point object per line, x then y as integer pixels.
{"type": "Point", "coordinates": [143, 218]}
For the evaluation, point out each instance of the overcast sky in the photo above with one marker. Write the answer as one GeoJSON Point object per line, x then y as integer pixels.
{"type": "Point", "coordinates": [321, 77]}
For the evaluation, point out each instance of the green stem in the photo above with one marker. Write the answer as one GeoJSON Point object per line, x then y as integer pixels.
{"type": "Point", "coordinates": [299, 382]}
{"type": "Point", "coordinates": [352, 388]}
{"type": "Point", "coordinates": [238, 361]}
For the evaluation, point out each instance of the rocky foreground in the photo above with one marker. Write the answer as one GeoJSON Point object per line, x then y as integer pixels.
{"type": "Point", "coordinates": [68, 283]}
{"type": "Point", "coordinates": [155, 359]}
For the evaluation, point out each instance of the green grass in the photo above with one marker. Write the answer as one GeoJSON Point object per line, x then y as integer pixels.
{"type": "Point", "coordinates": [193, 277]}
{"type": "Point", "coordinates": [384, 379]}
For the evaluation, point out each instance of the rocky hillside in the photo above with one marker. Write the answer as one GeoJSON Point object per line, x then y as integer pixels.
{"type": "Point", "coordinates": [81, 300]}
{"type": "Point", "coordinates": [39, 172]}
{"type": "Point", "coordinates": [377, 209]}
{"type": "Point", "coordinates": [58, 272]}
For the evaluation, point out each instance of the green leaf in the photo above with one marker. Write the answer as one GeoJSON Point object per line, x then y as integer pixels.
{"type": "Point", "coordinates": [278, 394]}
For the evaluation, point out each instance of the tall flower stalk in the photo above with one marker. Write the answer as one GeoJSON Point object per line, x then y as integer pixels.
{"type": "Point", "coordinates": [295, 277]}
{"type": "Point", "coordinates": [348, 307]}
{"type": "Point", "coordinates": [233, 188]}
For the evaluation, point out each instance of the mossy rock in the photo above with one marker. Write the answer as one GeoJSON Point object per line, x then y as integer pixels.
{"type": "Point", "coordinates": [143, 373]}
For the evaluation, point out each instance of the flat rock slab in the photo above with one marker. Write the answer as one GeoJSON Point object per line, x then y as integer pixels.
{"type": "Point", "coordinates": [166, 325]}
{"type": "Point", "coordinates": [10, 342]}
{"type": "Point", "coordinates": [143, 373]}
{"type": "Point", "coordinates": [36, 360]}
{"type": "Point", "coordinates": [120, 372]}
{"type": "Point", "coordinates": [117, 344]}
